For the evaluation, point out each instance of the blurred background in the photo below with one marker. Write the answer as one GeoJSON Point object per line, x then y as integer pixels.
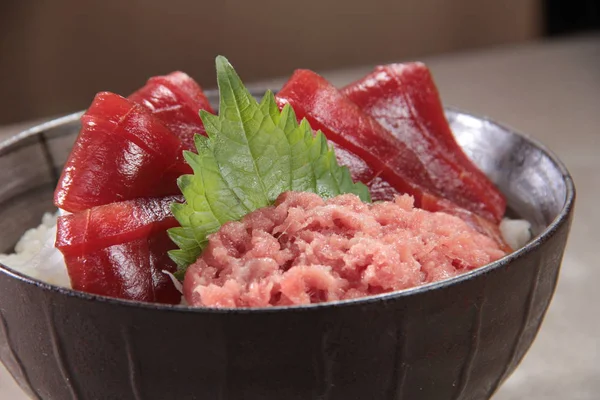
{"type": "Point", "coordinates": [55, 55]}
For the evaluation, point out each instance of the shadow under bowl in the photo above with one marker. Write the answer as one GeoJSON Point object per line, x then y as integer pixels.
{"type": "Point", "coordinates": [456, 339]}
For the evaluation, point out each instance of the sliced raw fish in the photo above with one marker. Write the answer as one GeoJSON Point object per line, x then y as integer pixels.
{"type": "Point", "coordinates": [120, 249]}
{"type": "Point", "coordinates": [403, 98]}
{"type": "Point", "coordinates": [176, 100]}
{"type": "Point", "coordinates": [122, 152]}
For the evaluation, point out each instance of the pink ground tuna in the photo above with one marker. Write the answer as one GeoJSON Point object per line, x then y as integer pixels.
{"type": "Point", "coordinates": [306, 250]}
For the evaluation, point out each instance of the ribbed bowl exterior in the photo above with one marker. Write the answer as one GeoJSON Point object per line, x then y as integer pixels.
{"type": "Point", "coordinates": [458, 339]}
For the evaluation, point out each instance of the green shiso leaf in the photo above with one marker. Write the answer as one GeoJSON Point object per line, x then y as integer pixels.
{"type": "Point", "coordinates": [252, 154]}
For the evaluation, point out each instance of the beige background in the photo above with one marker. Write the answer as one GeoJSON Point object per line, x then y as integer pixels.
{"type": "Point", "coordinates": [56, 54]}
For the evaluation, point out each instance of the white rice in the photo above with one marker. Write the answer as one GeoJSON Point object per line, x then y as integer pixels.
{"type": "Point", "coordinates": [37, 244]}
{"type": "Point", "coordinates": [515, 232]}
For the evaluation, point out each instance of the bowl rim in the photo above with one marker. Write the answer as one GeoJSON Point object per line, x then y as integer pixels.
{"type": "Point", "coordinates": [535, 243]}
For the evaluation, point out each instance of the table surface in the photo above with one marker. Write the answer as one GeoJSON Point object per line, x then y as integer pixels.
{"type": "Point", "coordinates": [551, 91]}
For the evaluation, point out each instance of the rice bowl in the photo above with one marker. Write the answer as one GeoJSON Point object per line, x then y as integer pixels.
{"type": "Point", "coordinates": [444, 340]}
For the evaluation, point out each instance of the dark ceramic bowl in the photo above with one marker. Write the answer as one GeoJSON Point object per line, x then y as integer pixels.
{"type": "Point", "coordinates": [457, 339]}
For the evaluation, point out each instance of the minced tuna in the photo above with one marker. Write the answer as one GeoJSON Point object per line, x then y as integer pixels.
{"type": "Point", "coordinates": [308, 250]}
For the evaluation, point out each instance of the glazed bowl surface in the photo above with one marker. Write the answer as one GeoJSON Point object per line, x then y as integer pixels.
{"type": "Point", "coordinates": [453, 340]}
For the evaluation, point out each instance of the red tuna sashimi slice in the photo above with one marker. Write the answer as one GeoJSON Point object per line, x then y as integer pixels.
{"type": "Point", "coordinates": [120, 249]}
{"type": "Point", "coordinates": [348, 126]}
{"type": "Point", "coordinates": [122, 152]}
{"type": "Point", "coordinates": [342, 122]}
{"type": "Point", "coordinates": [131, 271]}
{"type": "Point", "coordinates": [403, 98]}
{"type": "Point", "coordinates": [114, 223]}
{"type": "Point", "coordinates": [361, 171]}
{"type": "Point", "coordinates": [176, 100]}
